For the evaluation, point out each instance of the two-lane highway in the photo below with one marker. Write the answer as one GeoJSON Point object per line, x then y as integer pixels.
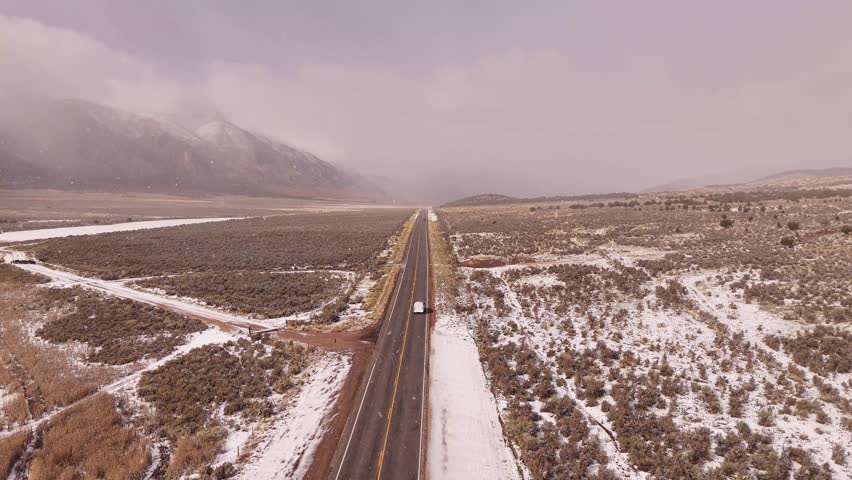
{"type": "Point", "coordinates": [384, 436]}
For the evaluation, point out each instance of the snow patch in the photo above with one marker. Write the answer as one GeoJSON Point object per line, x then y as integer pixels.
{"type": "Point", "coordinates": [7, 397]}
{"type": "Point", "coordinates": [288, 448]}
{"type": "Point", "coordinates": [465, 436]}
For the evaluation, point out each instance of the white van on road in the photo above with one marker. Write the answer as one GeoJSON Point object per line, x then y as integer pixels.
{"type": "Point", "coordinates": [418, 307]}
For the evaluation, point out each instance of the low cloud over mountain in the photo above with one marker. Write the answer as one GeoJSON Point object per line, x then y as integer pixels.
{"type": "Point", "coordinates": [80, 144]}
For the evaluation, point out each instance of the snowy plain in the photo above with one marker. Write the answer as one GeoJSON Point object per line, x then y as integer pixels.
{"type": "Point", "coordinates": [686, 342]}
{"type": "Point", "coordinates": [465, 436]}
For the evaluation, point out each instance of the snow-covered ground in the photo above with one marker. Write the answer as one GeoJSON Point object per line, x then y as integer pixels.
{"type": "Point", "coordinates": [653, 335]}
{"type": "Point", "coordinates": [754, 323]}
{"type": "Point", "coordinates": [43, 234]}
{"type": "Point", "coordinates": [540, 333]}
{"type": "Point", "coordinates": [287, 449]}
{"type": "Point", "coordinates": [9, 256]}
{"type": "Point", "coordinates": [465, 435]}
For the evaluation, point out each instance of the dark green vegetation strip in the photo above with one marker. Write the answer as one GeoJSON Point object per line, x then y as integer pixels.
{"type": "Point", "coordinates": [266, 294]}
{"type": "Point", "coordinates": [117, 331]}
{"type": "Point", "coordinates": [13, 274]}
{"type": "Point", "coordinates": [348, 240]}
{"type": "Point", "coordinates": [241, 375]}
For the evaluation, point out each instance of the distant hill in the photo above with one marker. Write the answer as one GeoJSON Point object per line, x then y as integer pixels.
{"type": "Point", "coordinates": [499, 199]}
{"type": "Point", "coordinates": [726, 178]}
{"type": "Point", "coordinates": [805, 175]}
{"type": "Point", "coordinates": [73, 144]}
{"type": "Point", "coordinates": [752, 177]}
{"type": "Point", "coordinates": [483, 199]}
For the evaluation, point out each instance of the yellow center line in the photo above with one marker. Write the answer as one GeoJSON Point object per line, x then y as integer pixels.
{"type": "Point", "coordinates": [401, 358]}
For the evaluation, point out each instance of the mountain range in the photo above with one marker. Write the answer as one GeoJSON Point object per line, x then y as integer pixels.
{"type": "Point", "coordinates": [75, 144]}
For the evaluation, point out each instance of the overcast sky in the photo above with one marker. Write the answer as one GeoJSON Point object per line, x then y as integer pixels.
{"type": "Point", "coordinates": [524, 98]}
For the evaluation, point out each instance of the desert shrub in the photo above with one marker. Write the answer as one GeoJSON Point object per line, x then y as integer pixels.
{"type": "Point", "coordinates": [555, 307]}
{"type": "Point", "coordinates": [237, 375]}
{"type": "Point", "coordinates": [670, 262]}
{"type": "Point", "coordinates": [838, 454]}
{"type": "Point", "coordinates": [737, 401]}
{"type": "Point", "coordinates": [264, 294]}
{"type": "Point", "coordinates": [654, 443]}
{"type": "Point", "coordinates": [560, 450]}
{"type": "Point", "coordinates": [118, 331]}
{"type": "Point", "coordinates": [765, 418]}
{"type": "Point", "coordinates": [550, 451]}
{"type": "Point", "coordinates": [521, 426]}
{"type": "Point", "coordinates": [12, 274]}
{"type": "Point", "coordinates": [846, 229]}
{"type": "Point", "coordinates": [330, 313]}
{"type": "Point", "coordinates": [744, 451]}
{"type": "Point", "coordinates": [824, 349]}
{"type": "Point", "coordinates": [673, 296]}
{"type": "Point", "coordinates": [91, 440]}
{"type": "Point", "coordinates": [333, 239]}
{"type": "Point", "coordinates": [772, 341]}
{"type": "Point", "coordinates": [808, 468]}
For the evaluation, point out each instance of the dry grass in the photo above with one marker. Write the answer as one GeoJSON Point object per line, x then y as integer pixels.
{"type": "Point", "coordinates": [195, 451]}
{"type": "Point", "coordinates": [50, 380]}
{"type": "Point", "coordinates": [379, 296]}
{"type": "Point", "coordinates": [91, 440]}
{"type": "Point", "coordinates": [14, 411]}
{"type": "Point", "coordinates": [11, 449]}
{"type": "Point", "coordinates": [399, 247]}
{"type": "Point", "coordinates": [443, 269]}
{"type": "Point", "coordinates": [42, 374]}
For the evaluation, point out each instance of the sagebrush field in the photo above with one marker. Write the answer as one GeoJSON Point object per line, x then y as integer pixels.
{"type": "Point", "coordinates": [664, 336]}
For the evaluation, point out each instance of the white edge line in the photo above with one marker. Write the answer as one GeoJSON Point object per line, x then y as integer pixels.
{"type": "Point", "coordinates": [370, 378]}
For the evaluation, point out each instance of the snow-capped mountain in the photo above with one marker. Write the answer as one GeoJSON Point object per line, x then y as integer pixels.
{"type": "Point", "coordinates": [79, 144]}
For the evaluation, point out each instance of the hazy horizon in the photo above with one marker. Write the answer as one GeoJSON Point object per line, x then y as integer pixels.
{"type": "Point", "coordinates": [440, 101]}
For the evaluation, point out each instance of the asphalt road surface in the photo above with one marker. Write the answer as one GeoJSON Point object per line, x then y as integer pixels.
{"type": "Point", "coordinates": [385, 433]}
